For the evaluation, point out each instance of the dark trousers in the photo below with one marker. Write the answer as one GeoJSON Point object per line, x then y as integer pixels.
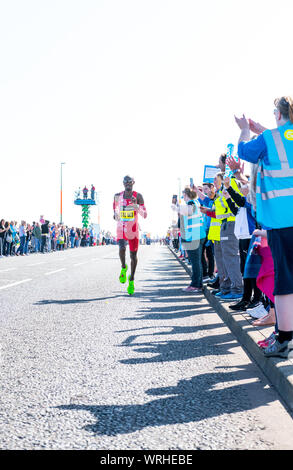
{"type": "Point", "coordinates": [6, 248]}
{"type": "Point", "coordinates": [208, 268]}
{"type": "Point", "coordinates": [195, 259]}
{"type": "Point", "coordinates": [44, 244]}
{"type": "Point", "coordinates": [21, 246]}
{"type": "Point", "coordinates": [250, 289]}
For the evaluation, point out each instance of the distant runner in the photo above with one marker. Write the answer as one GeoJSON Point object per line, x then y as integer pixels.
{"type": "Point", "coordinates": [127, 205]}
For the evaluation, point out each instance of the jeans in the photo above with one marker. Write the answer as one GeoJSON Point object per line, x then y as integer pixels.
{"type": "Point", "coordinates": [25, 248]}
{"type": "Point", "coordinates": [6, 248]}
{"type": "Point", "coordinates": [1, 246]}
{"type": "Point", "coordinates": [21, 246]}
{"type": "Point", "coordinates": [195, 258]}
{"type": "Point", "coordinates": [37, 245]}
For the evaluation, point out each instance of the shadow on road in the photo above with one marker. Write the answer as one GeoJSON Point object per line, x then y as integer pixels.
{"type": "Point", "coordinates": [204, 396]}
{"type": "Point", "coordinates": [200, 398]}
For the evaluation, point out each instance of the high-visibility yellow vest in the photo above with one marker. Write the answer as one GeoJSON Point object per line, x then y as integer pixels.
{"type": "Point", "coordinates": [222, 209]}
{"type": "Point", "coordinates": [234, 185]}
{"type": "Point", "coordinates": [214, 230]}
{"type": "Point", "coordinates": [221, 206]}
{"type": "Point", "coordinates": [222, 212]}
{"type": "Point", "coordinates": [215, 225]}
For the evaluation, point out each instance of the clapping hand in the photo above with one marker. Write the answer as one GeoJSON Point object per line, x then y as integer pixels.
{"type": "Point", "coordinates": [227, 182]}
{"type": "Point", "coordinates": [199, 191]}
{"type": "Point", "coordinates": [242, 122]}
{"type": "Point", "coordinates": [235, 165]}
{"type": "Point", "coordinates": [226, 194]}
{"type": "Point", "coordinates": [260, 233]}
{"type": "Point", "coordinates": [256, 127]}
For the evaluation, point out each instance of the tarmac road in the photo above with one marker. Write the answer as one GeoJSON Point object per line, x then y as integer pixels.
{"type": "Point", "coordinates": [85, 366]}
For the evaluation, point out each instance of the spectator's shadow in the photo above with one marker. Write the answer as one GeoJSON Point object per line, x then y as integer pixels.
{"type": "Point", "coordinates": [78, 301]}
{"type": "Point", "coordinates": [202, 397]}
{"type": "Point", "coordinates": [176, 350]}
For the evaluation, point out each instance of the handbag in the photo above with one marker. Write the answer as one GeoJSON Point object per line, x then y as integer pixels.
{"type": "Point", "coordinates": [241, 230]}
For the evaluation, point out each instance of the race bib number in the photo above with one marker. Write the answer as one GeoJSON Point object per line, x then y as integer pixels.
{"type": "Point", "coordinates": [127, 216]}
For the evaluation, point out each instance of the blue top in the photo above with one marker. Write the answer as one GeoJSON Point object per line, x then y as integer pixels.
{"type": "Point", "coordinates": [207, 202]}
{"type": "Point", "coordinates": [253, 150]}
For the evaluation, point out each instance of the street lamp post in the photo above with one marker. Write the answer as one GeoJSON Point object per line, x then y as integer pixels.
{"type": "Point", "coordinates": [61, 215]}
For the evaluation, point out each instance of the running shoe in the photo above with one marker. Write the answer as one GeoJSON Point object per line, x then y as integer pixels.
{"type": "Point", "coordinates": [122, 277]}
{"type": "Point", "coordinates": [192, 289]}
{"type": "Point", "coordinates": [215, 291]}
{"type": "Point", "coordinates": [231, 296]}
{"type": "Point", "coordinates": [220, 294]}
{"type": "Point", "coordinates": [215, 283]}
{"type": "Point", "coordinates": [189, 289]}
{"type": "Point", "coordinates": [130, 288]}
{"type": "Point", "coordinates": [284, 350]}
{"type": "Point", "coordinates": [240, 306]}
{"type": "Point", "coordinates": [268, 341]}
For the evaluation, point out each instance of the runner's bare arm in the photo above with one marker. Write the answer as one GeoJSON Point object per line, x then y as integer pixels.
{"type": "Point", "coordinates": [115, 207]}
{"type": "Point", "coordinates": [141, 210]}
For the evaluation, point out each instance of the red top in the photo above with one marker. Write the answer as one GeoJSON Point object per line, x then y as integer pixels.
{"type": "Point", "coordinates": [127, 230]}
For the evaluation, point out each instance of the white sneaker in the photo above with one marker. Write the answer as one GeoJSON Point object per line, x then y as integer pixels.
{"type": "Point", "coordinates": [258, 312]}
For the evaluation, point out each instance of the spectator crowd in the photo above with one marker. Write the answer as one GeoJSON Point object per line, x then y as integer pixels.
{"type": "Point", "coordinates": [237, 231]}
{"type": "Point", "coordinates": [42, 237]}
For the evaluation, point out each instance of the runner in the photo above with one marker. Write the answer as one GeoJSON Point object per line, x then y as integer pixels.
{"type": "Point", "coordinates": [127, 205]}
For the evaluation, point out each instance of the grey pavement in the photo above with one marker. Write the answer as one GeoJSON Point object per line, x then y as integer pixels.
{"type": "Point", "coordinates": [85, 366]}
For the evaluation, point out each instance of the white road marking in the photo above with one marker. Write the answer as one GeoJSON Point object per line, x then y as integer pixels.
{"type": "Point", "coordinates": [15, 284]}
{"type": "Point", "coordinates": [35, 264]}
{"type": "Point", "coordinates": [53, 272]}
{"type": "Point", "coordinates": [79, 264]}
{"type": "Point", "coordinates": [5, 270]}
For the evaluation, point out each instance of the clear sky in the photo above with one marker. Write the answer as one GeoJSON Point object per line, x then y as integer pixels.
{"type": "Point", "coordinates": [141, 87]}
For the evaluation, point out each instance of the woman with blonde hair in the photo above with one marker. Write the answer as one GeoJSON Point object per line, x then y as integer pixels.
{"type": "Point", "coordinates": [272, 151]}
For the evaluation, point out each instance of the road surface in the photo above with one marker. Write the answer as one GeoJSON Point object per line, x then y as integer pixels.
{"type": "Point", "coordinates": [85, 366]}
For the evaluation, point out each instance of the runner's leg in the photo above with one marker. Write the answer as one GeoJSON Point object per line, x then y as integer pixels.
{"type": "Point", "coordinates": [133, 258]}
{"type": "Point", "coordinates": [122, 256]}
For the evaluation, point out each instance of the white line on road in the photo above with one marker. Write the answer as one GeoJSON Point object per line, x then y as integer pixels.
{"type": "Point", "coordinates": [79, 264]}
{"type": "Point", "coordinates": [5, 270]}
{"type": "Point", "coordinates": [35, 264]}
{"type": "Point", "coordinates": [15, 284]}
{"type": "Point", "coordinates": [53, 272]}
